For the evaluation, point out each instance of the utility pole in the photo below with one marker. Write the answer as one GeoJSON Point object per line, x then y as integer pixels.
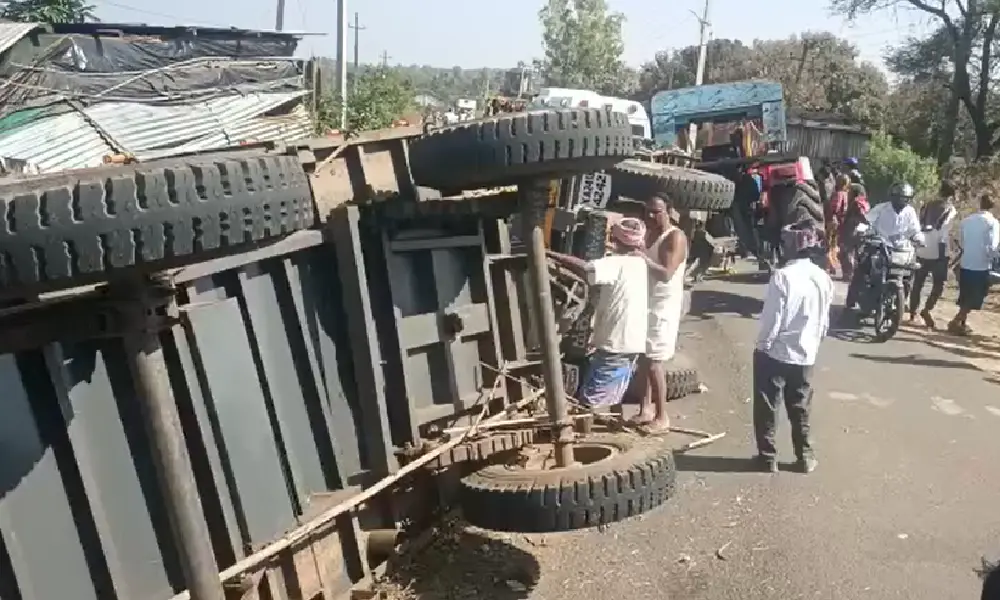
{"type": "Point", "coordinates": [357, 27]}
{"type": "Point", "coordinates": [385, 58]}
{"type": "Point", "coordinates": [342, 60]}
{"type": "Point", "coordinates": [279, 17]}
{"type": "Point", "coordinates": [699, 76]}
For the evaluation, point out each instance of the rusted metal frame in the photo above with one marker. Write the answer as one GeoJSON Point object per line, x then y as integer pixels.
{"type": "Point", "coordinates": [509, 321]}
{"type": "Point", "coordinates": [494, 344]}
{"type": "Point", "coordinates": [535, 198]}
{"type": "Point", "coordinates": [433, 328]}
{"type": "Point", "coordinates": [410, 423]}
{"type": "Point", "coordinates": [354, 158]}
{"type": "Point", "coordinates": [94, 315]}
{"type": "Point", "coordinates": [172, 463]}
{"type": "Point", "coordinates": [345, 230]}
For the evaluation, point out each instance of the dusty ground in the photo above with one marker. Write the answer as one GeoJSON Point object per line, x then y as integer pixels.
{"type": "Point", "coordinates": [903, 504]}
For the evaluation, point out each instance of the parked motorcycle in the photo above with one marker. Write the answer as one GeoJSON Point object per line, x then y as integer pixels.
{"type": "Point", "coordinates": [890, 278]}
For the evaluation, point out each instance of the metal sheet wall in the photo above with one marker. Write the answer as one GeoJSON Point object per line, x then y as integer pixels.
{"type": "Point", "coordinates": [262, 371]}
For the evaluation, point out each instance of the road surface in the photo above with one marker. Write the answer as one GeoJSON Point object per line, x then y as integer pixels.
{"type": "Point", "coordinates": [904, 504]}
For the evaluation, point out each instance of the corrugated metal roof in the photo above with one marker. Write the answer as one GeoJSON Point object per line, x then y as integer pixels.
{"type": "Point", "coordinates": [56, 143]}
{"type": "Point", "coordinates": [69, 141]}
{"type": "Point", "coordinates": [11, 33]}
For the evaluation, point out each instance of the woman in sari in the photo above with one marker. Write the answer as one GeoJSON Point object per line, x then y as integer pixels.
{"type": "Point", "coordinates": [838, 211]}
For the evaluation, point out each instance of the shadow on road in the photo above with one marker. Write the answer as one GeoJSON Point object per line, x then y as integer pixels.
{"type": "Point", "coordinates": [916, 360]}
{"type": "Point", "coordinates": [855, 336]}
{"type": "Point", "coordinates": [462, 563]}
{"type": "Point", "coordinates": [752, 278]}
{"type": "Point", "coordinates": [705, 303]}
{"type": "Point", "coordinates": [715, 464]}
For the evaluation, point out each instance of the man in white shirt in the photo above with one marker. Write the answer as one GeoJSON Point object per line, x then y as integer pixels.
{"type": "Point", "coordinates": [979, 243]}
{"type": "Point", "coordinates": [793, 323]}
{"type": "Point", "coordinates": [892, 220]}
{"type": "Point", "coordinates": [936, 218]}
{"type": "Point", "coordinates": [620, 318]}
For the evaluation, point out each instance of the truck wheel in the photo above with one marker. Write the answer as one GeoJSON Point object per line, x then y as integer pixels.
{"type": "Point", "coordinates": [75, 228]}
{"type": "Point", "coordinates": [617, 476]}
{"type": "Point", "coordinates": [504, 149]}
{"type": "Point", "coordinates": [682, 377]}
{"type": "Point", "coordinates": [689, 189]}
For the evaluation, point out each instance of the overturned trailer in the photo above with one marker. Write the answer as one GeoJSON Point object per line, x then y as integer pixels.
{"type": "Point", "coordinates": [250, 373]}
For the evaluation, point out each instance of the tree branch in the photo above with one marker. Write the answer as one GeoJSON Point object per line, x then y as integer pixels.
{"type": "Point", "coordinates": [985, 63]}
{"type": "Point", "coordinates": [939, 13]}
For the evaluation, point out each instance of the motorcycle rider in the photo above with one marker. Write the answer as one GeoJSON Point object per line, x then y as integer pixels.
{"type": "Point", "coordinates": [892, 220]}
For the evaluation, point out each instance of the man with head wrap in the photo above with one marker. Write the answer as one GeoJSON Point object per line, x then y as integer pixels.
{"type": "Point", "coordinates": [793, 323]}
{"type": "Point", "coordinates": [794, 197]}
{"type": "Point", "coordinates": [620, 319]}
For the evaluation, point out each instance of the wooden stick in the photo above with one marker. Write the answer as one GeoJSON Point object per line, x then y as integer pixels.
{"type": "Point", "coordinates": [694, 432]}
{"type": "Point", "coordinates": [702, 442]}
{"type": "Point", "coordinates": [307, 530]}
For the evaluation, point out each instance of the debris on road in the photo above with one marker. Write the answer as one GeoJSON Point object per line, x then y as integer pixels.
{"type": "Point", "coordinates": [720, 552]}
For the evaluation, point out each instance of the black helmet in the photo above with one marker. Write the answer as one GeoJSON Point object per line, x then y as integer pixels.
{"type": "Point", "coordinates": [901, 190]}
{"type": "Point", "coordinates": [901, 194]}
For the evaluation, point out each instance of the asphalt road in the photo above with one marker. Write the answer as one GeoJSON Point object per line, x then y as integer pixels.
{"type": "Point", "coordinates": [905, 502]}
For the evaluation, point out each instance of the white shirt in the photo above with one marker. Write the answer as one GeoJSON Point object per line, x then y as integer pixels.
{"type": "Point", "coordinates": [935, 237]}
{"type": "Point", "coordinates": [979, 236]}
{"type": "Point", "coordinates": [887, 223]}
{"type": "Point", "coordinates": [796, 313]}
{"type": "Point", "coordinates": [620, 313]}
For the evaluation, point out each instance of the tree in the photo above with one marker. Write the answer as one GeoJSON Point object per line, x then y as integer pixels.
{"type": "Point", "coordinates": [889, 161]}
{"type": "Point", "coordinates": [969, 28]}
{"type": "Point", "coordinates": [583, 47]}
{"type": "Point", "coordinates": [379, 96]}
{"type": "Point", "coordinates": [818, 71]}
{"type": "Point", "coordinates": [48, 11]}
{"type": "Point", "coordinates": [726, 60]}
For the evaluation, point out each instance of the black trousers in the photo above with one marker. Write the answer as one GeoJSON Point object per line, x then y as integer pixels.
{"type": "Point", "coordinates": [775, 382]}
{"type": "Point", "coordinates": [938, 271]}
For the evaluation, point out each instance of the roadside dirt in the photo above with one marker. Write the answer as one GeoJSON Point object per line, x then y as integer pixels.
{"type": "Point", "coordinates": [982, 349]}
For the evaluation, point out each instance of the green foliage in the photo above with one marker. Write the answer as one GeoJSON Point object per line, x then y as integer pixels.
{"type": "Point", "coordinates": [48, 11]}
{"type": "Point", "coordinates": [378, 96]}
{"type": "Point", "coordinates": [583, 47]}
{"type": "Point", "coordinates": [818, 71]}
{"type": "Point", "coordinates": [889, 161]}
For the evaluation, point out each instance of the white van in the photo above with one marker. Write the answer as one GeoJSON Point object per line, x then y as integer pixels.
{"type": "Point", "coordinates": [569, 98]}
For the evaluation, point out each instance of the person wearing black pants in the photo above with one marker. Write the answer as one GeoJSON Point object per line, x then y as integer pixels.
{"type": "Point", "coordinates": [774, 381]}
{"type": "Point", "coordinates": [936, 218]}
{"type": "Point", "coordinates": [794, 321]}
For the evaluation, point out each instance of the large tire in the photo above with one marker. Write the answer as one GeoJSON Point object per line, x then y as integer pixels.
{"type": "Point", "coordinates": [505, 149]}
{"type": "Point", "coordinates": [688, 189]}
{"type": "Point", "coordinates": [79, 227]}
{"type": "Point", "coordinates": [682, 377]}
{"type": "Point", "coordinates": [640, 477]}
{"type": "Point", "coordinates": [682, 380]}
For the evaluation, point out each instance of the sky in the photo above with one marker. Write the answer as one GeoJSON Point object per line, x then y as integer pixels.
{"type": "Point", "coordinates": [470, 34]}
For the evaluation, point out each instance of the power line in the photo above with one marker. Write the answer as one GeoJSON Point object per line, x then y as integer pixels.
{"type": "Point", "coordinates": [153, 13]}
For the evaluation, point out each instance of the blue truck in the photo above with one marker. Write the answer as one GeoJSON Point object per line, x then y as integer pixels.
{"type": "Point", "coordinates": [759, 104]}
